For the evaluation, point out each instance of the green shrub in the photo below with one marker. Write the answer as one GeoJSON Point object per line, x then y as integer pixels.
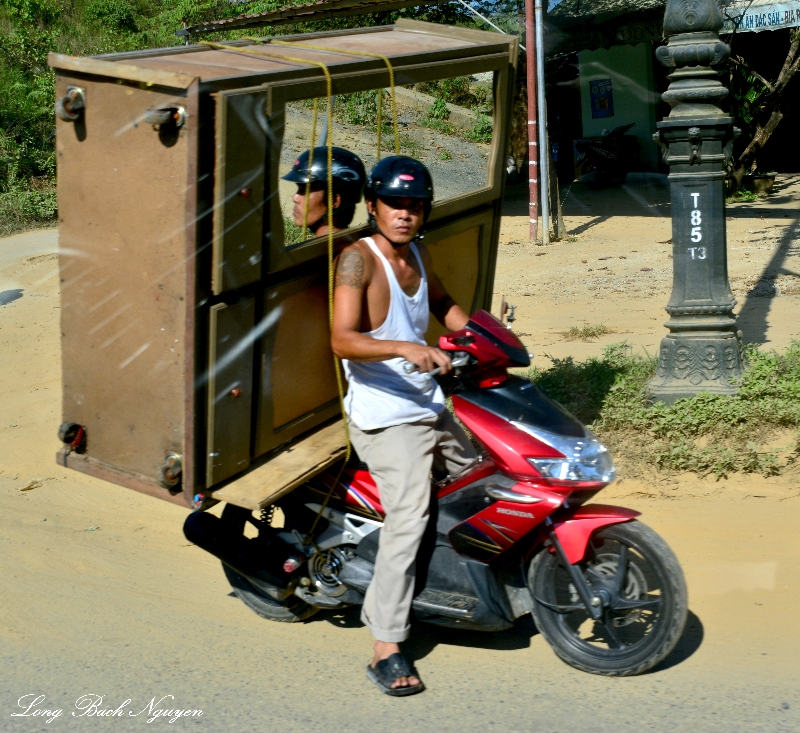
{"type": "Point", "coordinates": [481, 132]}
{"type": "Point", "coordinates": [456, 91]}
{"type": "Point", "coordinates": [40, 12]}
{"type": "Point", "coordinates": [361, 108]}
{"type": "Point", "coordinates": [706, 434]}
{"type": "Point", "coordinates": [741, 195]}
{"type": "Point", "coordinates": [293, 233]}
{"type": "Point", "coordinates": [116, 14]}
{"type": "Point", "coordinates": [439, 110]}
{"type": "Point", "coordinates": [25, 209]}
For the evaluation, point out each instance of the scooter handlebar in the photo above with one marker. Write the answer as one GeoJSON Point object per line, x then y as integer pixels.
{"type": "Point", "coordinates": [410, 368]}
{"type": "Point", "coordinates": [458, 359]}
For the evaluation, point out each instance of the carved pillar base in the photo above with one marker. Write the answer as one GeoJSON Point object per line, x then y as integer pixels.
{"type": "Point", "coordinates": [698, 361]}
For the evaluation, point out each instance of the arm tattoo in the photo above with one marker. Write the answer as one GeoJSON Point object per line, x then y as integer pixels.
{"type": "Point", "coordinates": [350, 269]}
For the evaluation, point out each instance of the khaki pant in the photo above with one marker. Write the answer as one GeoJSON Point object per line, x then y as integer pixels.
{"type": "Point", "coordinates": [400, 459]}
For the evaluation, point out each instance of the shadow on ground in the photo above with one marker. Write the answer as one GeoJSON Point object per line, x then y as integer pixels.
{"type": "Point", "coordinates": [424, 638]}
{"type": "Point", "coordinates": [642, 194]}
{"type": "Point", "coordinates": [9, 296]}
{"type": "Point", "coordinates": [647, 194]}
{"type": "Point", "coordinates": [688, 644]}
{"type": "Point", "coordinates": [783, 195]}
{"type": "Point", "coordinates": [753, 317]}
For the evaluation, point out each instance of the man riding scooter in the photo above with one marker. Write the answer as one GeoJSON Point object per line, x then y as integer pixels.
{"type": "Point", "coordinates": [348, 176]}
{"type": "Point", "coordinates": [385, 289]}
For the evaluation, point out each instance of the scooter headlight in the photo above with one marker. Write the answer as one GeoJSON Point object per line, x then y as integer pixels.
{"type": "Point", "coordinates": [587, 461]}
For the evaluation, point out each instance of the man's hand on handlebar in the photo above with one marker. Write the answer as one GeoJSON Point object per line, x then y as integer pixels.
{"type": "Point", "coordinates": [427, 358]}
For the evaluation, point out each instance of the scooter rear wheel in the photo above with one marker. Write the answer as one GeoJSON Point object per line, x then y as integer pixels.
{"type": "Point", "coordinates": [291, 610]}
{"type": "Point", "coordinates": [644, 607]}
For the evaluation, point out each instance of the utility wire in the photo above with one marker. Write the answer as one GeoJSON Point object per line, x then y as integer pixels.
{"type": "Point", "coordinates": [486, 20]}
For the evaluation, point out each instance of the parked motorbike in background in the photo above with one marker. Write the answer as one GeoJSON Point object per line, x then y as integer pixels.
{"type": "Point", "coordinates": [607, 157]}
{"type": "Point", "coordinates": [516, 533]}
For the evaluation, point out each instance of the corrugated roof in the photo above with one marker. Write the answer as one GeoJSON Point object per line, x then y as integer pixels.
{"type": "Point", "coordinates": [321, 10]}
{"type": "Point", "coordinates": [575, 12]}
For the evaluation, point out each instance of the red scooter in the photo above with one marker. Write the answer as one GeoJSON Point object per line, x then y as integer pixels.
{"type": "Point", "coordinates": [514, 534]}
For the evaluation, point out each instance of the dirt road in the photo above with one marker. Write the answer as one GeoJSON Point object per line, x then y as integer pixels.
{"type": "Point", "coordinates": [100, 594]}
{"type": "Point", "coordinates": [615, 267]}
{"type": "Point", "coordinates": [130, 610]}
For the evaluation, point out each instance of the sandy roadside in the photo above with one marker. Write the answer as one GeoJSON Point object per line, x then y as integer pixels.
{"type": "Point", "coordinates": [616, 268]}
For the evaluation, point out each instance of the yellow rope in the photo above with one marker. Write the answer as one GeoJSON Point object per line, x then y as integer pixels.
{"type": "Point", "coordinates": [329, 90]}
{"type": "Point", "coordinates": [385, 60]}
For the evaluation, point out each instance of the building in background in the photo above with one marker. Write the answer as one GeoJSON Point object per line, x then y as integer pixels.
{"type": "Point", "coordinates": [602, 73]}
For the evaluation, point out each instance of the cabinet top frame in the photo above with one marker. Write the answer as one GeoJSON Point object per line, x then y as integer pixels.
{"type": "Point", "coordinates": [406, 43]}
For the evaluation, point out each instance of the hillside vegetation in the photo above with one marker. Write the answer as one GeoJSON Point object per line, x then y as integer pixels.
{"type": "Point", "coordinates": [30, 29]}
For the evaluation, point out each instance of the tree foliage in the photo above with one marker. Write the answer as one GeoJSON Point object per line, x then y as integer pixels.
{"type": "Point", "coordinates": [756, 104]}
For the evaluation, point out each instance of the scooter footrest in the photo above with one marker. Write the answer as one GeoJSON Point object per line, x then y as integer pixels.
{"type": "Point", "coordinates": [450, 604]}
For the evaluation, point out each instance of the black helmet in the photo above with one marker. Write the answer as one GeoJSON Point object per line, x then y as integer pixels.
{"type": "Point", "coordinates": [348, 175]}
{"type": "Point", "coordinates": [399, 175]}
{"type": "Point", "coordinates": [347, 168]}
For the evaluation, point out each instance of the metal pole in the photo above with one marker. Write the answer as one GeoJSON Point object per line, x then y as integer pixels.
{"type": "Point", "coordinates": [703, 351]}
{"type": "Point", "coordinates": [544, 153]}
{"type": "Point", "coordinates": [533, 142]}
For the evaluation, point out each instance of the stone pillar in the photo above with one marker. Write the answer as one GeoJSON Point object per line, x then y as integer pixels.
{"type": "Point", "coordinates": [703, 351]}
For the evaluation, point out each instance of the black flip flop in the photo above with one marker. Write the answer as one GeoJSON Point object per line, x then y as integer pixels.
{"type": "Point", "coordinates": [388, 670]}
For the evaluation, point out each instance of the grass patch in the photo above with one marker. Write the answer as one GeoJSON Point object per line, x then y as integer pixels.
{"type": "Point", "coordinates": [22, 209]}
{"type": "Point", "coordinates": [481, 132]}
{"type": "Point", "coordinates": [754, 431]}
{"type": "Point", "coordinates": [586, 332]}
{"type": "Point", "coordinates": [741, 195]}
{"type": "Point", "coordinates": [292, 234]}
{"type": "Point", "coordinates": [408, 145]}
{"type": "Point", "coordinates": [439, 125]}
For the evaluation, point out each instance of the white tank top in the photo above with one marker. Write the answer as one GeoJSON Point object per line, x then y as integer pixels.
{"type": "Point", "coordinates": [380, 393]}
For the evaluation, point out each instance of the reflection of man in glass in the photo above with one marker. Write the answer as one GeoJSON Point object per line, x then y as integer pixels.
{"type": "Point", "coordinates": [348, 183]}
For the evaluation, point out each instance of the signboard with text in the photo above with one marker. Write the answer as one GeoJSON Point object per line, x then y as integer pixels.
{"type": "Point", "coordinates": [755, 17]}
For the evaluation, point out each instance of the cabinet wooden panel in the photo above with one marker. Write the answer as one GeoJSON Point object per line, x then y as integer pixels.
{"type": "Point", "coordinates": [229, 389]}
{"type": "Point", "coordinates": [298, 380]}
{"type": "Point", "coordinates": [121, 199]}
{"type": "Point", "coordinates": [241, 149]}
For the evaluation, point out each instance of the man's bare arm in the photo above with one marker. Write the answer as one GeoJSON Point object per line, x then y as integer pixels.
{"type": "Point", "coordinates": [443, 307]}
{"type": "Point", "coordinates": [353, 271]}
{"type": "Point", "coordinates": [350, 270]}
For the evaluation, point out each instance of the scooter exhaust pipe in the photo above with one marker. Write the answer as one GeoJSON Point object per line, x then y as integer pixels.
{"type": "Point", "coordinates": [259, 561]}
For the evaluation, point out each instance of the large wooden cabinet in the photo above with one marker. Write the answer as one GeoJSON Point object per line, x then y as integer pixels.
{"type": "Point", "coordinates": [190, 328]}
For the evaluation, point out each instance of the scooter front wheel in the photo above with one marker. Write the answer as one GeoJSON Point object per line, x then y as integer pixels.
{"type": "Point", "coordinates": [644, 602]}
